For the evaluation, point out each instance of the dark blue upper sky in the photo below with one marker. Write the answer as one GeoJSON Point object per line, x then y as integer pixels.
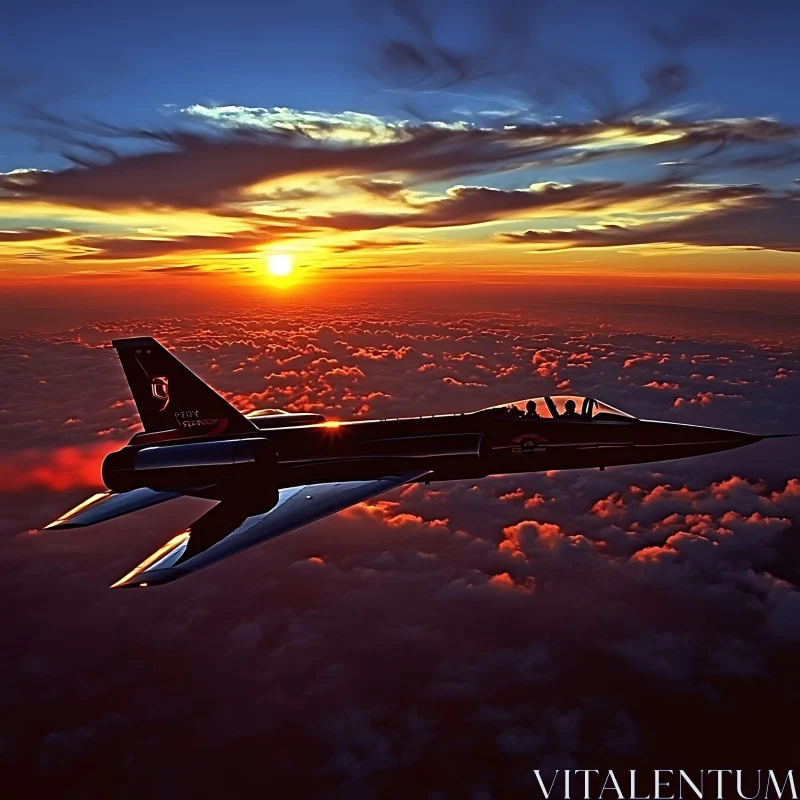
{"type": "Point", "coordinates": [124, 63]}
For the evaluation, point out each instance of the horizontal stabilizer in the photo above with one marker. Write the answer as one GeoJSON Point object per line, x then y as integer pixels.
{"type": "Point", "coordinates": [106, 506]}
{"type": "Point", "coordinates": [226, 530]}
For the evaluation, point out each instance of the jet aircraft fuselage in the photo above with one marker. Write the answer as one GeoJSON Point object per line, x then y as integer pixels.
{"type": "Point", "coordinates": [273, 471]}
{"type": "Point", "coordinates": [462, 446]}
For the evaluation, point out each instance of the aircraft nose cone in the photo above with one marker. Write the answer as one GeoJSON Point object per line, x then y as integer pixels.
{"type": "Point", "coordinates": [666, 434]}
{"type": "Point", "coordinates": [744, 438]}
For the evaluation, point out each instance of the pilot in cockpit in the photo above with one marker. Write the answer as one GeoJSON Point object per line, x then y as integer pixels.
{"type": "Point", "coordinates": [569, 410]}
{"type": "Point", "coordinates": [530, 409]}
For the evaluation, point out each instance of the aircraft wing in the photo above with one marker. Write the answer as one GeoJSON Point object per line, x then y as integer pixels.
{"type": "Point", "coordinates": [225, 530]}
{"type": "Point", "coordinates": [104, 506]}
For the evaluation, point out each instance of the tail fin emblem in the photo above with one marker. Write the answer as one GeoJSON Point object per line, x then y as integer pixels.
{"type": "Point", "coordinates": [160, 389]}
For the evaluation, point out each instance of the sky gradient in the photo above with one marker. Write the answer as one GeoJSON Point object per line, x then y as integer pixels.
{"type": "Point", "coordinates": [483, 203]}
{"type": "Point", "coordinates": [397, 141]}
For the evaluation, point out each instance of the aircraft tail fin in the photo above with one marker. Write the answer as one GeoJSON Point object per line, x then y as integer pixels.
{"type": "Point", "coordinates": [170, 397]}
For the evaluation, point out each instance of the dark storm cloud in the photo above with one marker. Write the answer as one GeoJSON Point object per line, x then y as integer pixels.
{"type": "Point", "coordinates": [769, 223]}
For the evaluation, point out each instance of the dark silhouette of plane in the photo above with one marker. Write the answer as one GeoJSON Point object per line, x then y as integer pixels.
{"type": "Point", "coordinates": [273, 471]}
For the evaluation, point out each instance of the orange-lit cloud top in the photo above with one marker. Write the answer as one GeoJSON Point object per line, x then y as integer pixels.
{"type": "Point", "coordinates": [66, 390]}
{"type": "Point", "coordinates": [58, 468]}
{"type": "Point", "coordinates": [226, 186]}
{"type": "Point", "coordinates": [652, 560]}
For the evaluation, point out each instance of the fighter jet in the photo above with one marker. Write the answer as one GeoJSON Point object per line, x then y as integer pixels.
{"type": "Point", "coordinates": [273, 472]}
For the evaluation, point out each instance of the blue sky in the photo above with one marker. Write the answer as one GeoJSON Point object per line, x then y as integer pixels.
{"type": "Point", "coordinates": [125, 63]}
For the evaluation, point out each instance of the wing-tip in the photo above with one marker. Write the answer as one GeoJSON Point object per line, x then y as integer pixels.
{"type": "Point", "coordinates": [153, 577]}
{"type": "Point", "coordinates": [122, 584]}
{"type": "Point", "coordinates": [134, 341]}
{"type": "Point", "coordinates": [58, 525]}
{"type": "Point", "coordinates": [68, 520]}
{"type": "Point", "coordinates": [147, 574]}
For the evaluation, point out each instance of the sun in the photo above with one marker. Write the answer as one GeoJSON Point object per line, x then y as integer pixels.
{"type": "Point", "coordinates": [279, 264]}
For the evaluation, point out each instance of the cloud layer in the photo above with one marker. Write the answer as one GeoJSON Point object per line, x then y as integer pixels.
{"type": "Point", "coordinates": [452, 637]}
{"type": "Point", "coordinates": [255, 178]}
{"type": "Point", "coordinates": [758, 223]}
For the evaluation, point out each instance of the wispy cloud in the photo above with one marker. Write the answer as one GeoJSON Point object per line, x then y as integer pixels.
{"type": "Point", "coordinates": [34, 235]}
{"type": "Point", "coordinates": [768, 223]}
{"type": "Point", "coordinates": [215, 168]}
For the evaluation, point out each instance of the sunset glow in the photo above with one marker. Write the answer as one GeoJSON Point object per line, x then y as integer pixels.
{"type": "Point", "coordinates": [279, 265]}
{"type": "Point", "coordinates": [277, 282]}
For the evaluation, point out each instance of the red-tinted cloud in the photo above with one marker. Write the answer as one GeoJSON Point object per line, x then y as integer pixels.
{"type": "Point", "coordinates": [58, 469]}
{"type": "Point", "coordinates": [478, 603]}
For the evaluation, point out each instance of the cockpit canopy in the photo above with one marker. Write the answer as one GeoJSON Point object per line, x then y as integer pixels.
{"type": "Point", "coordinates": [266, 418]}
{"type": "Point", "coordinates": [561, 407]}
